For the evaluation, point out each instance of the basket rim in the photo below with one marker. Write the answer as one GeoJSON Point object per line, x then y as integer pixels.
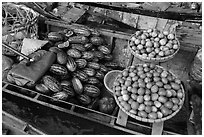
{"type": "Point", "coordinates": [146, 119]}
{"type": "Point", "coordinates": [148, 59]}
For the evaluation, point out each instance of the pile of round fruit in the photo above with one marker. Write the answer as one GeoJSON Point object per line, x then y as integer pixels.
{"type": "Point", "coordinates": [152, 45]}
{"type": "Point", "coordinates": [148, 93]}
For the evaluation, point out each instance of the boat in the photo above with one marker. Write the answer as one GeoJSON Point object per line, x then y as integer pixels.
{"type": "Point", "coordinates": [117, 37]}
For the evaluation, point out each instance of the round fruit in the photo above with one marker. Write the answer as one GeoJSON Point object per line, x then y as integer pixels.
{"type": "Point", "coordinates": [127, 106]}
{"type": "Point", "coordinates": [148, 109]}
{"type": "Point", "coordinates": [154, 89]}
{"type": "Point", "coordinates": [165, 33]}
{"type": "Point", "coordinates": [147, 97]}
{"type": "Point", "coordinates": [168, 104]}
{"type": "Point", "coordinates": [165, 111]}
{"type": "Point", "coordinates": [140, 99]}
{"type": "Point", "coordinates": [157, 104]}
{"type": "Point", "coordinates": [126, 97]}
{"type": "Point", "coordinates": [170, 36]}
{"type": "Point", "coordinates": [152, 115]}
{"type": "Point", "coordinates": [159, 114]}
{"type": "Point", "coordinates": [163, 42]}
{"type": "Point", "coordinates": [134, 105]}
{"type": "Point", "coordinates": [141, 91]}
{"type": "Point", "coordinates": [162, 99]}
{"type": "Point", "coordinates": [134, 96]}
{"type": "Point", "coordinates": [169, 93]}
{"type": "Point", "coordinates": [142, 114]}
{"type": "Point", "coordinates": [154, 97]}
{"type": "Point", "coordinates": [154, 109]}
{"type": "Point", "coordinates": [133, 111]}
{"type": "Point", "coordinates": [175, 107]}
{"type": "Point", "coordinates": [141, 107]}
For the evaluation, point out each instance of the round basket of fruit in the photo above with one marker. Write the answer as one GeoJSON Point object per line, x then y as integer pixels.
{"type": "Point", "coordinates": [153, 45]}
{"type": "Point", "coordinates": [148, 93]}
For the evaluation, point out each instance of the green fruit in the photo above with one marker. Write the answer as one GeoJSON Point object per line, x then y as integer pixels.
{"type": "Point", "coordinates": [58, 69]}
{"type": "Point", "coordinates": [62, 58]}
{"type": "Point", "coordinates": [51, 83]}
{"type": "Point", "coordinates": [74, 53]}
{"type": "Point", "coordinates": [71, 64]}
{"type": "Point", "coordinates": [78, 87]}
{"type": "Point", "coordinates": [91, 90]}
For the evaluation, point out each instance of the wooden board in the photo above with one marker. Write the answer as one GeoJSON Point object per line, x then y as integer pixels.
{"type": "Point", "coordinates": [73, 15]}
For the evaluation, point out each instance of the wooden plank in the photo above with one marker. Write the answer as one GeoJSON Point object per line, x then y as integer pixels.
{"type": "Point", "coordinates": [146, 22]}
{"type": "Point", "coordinates": [122, 118]}
{"type": "Point", "coordinates": [73, 15]}
{"type": "Point", "coordinates": [161, 24]}
{"type": "Point", "coordinates": [157, 128]}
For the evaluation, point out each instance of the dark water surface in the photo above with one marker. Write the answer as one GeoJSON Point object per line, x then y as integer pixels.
{"type": "Point", "coordinates": [52, 121]}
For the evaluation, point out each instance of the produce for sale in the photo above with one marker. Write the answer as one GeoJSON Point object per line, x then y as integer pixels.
{"type": "Point", "coordinates": [78, 72]}
{"type": "Point", "coordinates": [55, 36]}
{"type": "Point", "coordinates": [62, 95]}
{"type": "Point", "coordinates": [107, 105]}
{"type": "Point", "coordinates": [58, 69]}
{"type": "Point", "coordinates": [62, 58]}
{"type": "Point", "coordinates": [149, 92]}
{"type": "Point", "coordinates": [84, 99]}
{"type": "Point", "coordinates": [153, 44]}
{"type": "Point", "coordinates": [91, 90]}
{"type": "Point", "coordinates": [82, 31]}
{"type": "Point", "coordinates": [78, 87]}
{"type": "Point", "coordinates": [51, 83]}
{"type": "Point", "coordinates": [42, 88]}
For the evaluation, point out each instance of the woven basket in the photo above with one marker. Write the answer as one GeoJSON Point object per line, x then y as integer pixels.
{"type": "Point", "coordinates": [18, 22]}
{"type": "Point", "coordinates": [151, 120]}
{"type": "Point", "coordinates": [152, 60]}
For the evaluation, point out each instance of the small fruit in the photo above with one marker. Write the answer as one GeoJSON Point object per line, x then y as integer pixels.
{"type": "Point", "coordinates": [62, 58]}
{"type": "Point", "coordinates": [163, 42]}
{"type": "Point", "coordinates": [152, 115]}
{"type": "Point", "coordinates": [126, 97]}
{"type": "Point", "coordinates": [154, 97]}
{"type": "Point", "coordinates": [74, 53]}
{"type": "Point", "coordinates": [170, 36]}
{"type": "Point", "coordinates": [162, 99]}
{"type": "Point", "coordinates": [154, 89]}
{"type": "Point", "coordinates": [134, 105]}
{"type": "Point", "coordinates": [157, 104]}
{"type": "Point", "coordinates": [140, 99]}
{"type": "Point", "coordinates": [141, 107]}
{"type": "Point", "coordinates": [168, 104]}
{"type": "Point", "coordinates": [142, 114]}
{"type": "Point", "coordinates": [165, 111]}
